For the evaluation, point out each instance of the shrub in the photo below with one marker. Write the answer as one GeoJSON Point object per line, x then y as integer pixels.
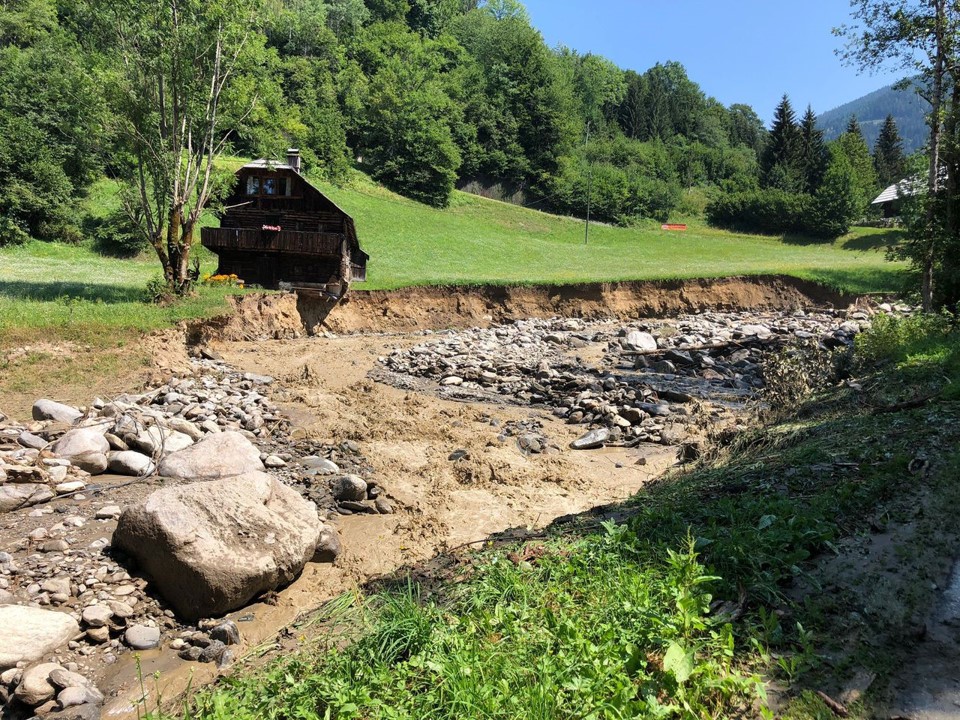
{"type": "Point", "coordinates": [117, 235]}
{"type": "Point", "coordinates": [11, 232]}
{"type": "Point", "coordinates": [768, 211]}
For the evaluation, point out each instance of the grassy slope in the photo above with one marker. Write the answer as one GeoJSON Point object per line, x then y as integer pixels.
{"type": "Point", "coordinates": [610, 621]}
{"type": "Point", "coordinates": [483, 241]}
{"type": "Point", "coordinates": [474, 241]}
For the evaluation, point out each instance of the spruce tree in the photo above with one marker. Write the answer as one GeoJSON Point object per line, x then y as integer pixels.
{"type": "Point", "coordinates": [853, 127]}
{"type": "Point", "coordinates": [813, 152]}
{"type": "Point", "coordinates": [780, 165]}
{"type": "Point", "coordinates": [888, 159]}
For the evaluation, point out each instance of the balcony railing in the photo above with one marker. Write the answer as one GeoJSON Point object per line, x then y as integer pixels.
{"type": "Point", "coordinates": [291, 241]}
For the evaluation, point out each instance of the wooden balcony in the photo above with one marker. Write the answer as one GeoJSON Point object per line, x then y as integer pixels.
{"type": "Point", "coordinates": [287, 241]}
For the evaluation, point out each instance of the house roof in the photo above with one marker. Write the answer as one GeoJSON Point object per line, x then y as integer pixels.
{"type": "Point", "coordinates": [905, 188]}
{"type": "Point", "coordinates": [265, 164]}
{"type": "Point", "coordinates": [889, 194]}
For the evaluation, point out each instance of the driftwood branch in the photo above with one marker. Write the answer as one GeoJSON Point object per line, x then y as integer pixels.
{"type": "Point", "coordinates": [838, 709]}
{"type": "Point", "coordinates": [905, 405]}
{"type": "Point", "coordinates": [743, 343]}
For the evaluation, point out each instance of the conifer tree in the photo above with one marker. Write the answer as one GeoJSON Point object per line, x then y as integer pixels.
{"type": "Point", "coordinates": [853, 127]}
{"type": "Point", "coordinates": [888, 158]}
{"type": "Point", "coordinates": [813, 152]}
{"type": "Point", "coordinates": [780, 164]}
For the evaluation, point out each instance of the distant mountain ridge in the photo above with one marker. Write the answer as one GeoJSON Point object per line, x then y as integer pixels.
{"type": "Point", "coordinates": [907, 108]}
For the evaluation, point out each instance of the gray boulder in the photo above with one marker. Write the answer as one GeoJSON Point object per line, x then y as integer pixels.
{"type": "Point", "coordinates": [29, 440]}
{"type": "Point", "coordinates": [86, 448]}
{"type": "Point", "coordinates": [591, 440]}
{"type": "Point", "coordinates": [49, 410]}
{"type": "Point", "coordinates": [29, 633]}
{"type": "Point", "coordinates": [348, 487]}
{"type": "Point", "coordinates": [35, 686]}
{"type": "Point", "coordinates": [142, 637]}
{"type": "Point", "coordinates": [157, 440]}
{"type": "Point", "coordinates": [219, 455]}
{"type": "Point", "coordinates": [130, 462]}
{"type": "Point", "coordinates": [328, 546]}
{"type": "Point", "coordinates": [211, 547]}
{"type": "Point", "coordinates": [186, 427]}
{"type": "Point", "coordinates": [14, 496]}
{"type": "Point", "coordinates": [639, 341]}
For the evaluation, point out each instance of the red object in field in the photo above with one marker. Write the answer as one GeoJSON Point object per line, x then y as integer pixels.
{"type": "Point", "coordinates": [272, 228]}
{"type": "Point", "coordinates": [673, 227]}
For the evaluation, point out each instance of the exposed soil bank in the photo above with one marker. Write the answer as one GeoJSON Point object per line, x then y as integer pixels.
{"type": "Point", "coordinates": [285, 316]}
{"type": "Point", "coordinates": [426, 308]}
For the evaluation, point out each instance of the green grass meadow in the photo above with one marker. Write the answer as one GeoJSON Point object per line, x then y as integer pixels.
{"type": "Point", "coordinates": [478, 241]}
{"type": "Point", "coordinates": [76, 291]}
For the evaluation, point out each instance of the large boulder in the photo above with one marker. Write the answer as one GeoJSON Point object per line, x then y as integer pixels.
{"type": "Point", "coordinates": [35, 686]}
{"type": "Point", "coordinates": [14, 496]}
{"type": "Point", "coordinates": [210, 547]}
{"type": "Point", "coordinates": [130, 462]}
{"type": "Point", "coordinates": [49, 410]}
{"type": "Point", "coordinates": [86, 448]}
{"type": "Point", "coordinates": [28, 633]}
{"type": "Point", "coordinates": [640, 341]}
{"type": "Point", "coordinates": [217, 456]}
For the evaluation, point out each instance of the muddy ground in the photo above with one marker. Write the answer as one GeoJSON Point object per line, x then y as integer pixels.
{"type": "Point", "coordinates": [407, 438]}
{"type": "Point", "coordinates": [322, 361]}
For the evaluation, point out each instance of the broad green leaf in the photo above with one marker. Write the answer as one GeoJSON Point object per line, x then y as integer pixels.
{"type": "Point", "coordinates": [679, 662]}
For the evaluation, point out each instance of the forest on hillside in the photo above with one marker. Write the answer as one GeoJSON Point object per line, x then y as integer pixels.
{"type": "Point", "coordinates": [422, 95]}
{"type": "Point", "coordinates": [906, 105]}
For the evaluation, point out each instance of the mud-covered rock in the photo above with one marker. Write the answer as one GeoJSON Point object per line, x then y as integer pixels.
{"type": "Point", "coordinates": [219, 455]}
{"type": "Point", "coordinates": [211, 547]}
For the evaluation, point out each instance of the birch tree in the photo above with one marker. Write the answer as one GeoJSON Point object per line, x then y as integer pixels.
{"type": "Point", "coordinates": [919, 37]}
{"type": "Point", "coordinates": [180, 80]}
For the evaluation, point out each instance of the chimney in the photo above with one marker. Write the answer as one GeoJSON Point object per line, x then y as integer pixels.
{"type": "Point", "coordinates": [293, 159]}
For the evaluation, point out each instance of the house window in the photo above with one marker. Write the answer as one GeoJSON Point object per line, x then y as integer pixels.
{"type": "Point", "coordinates": [268, 185]}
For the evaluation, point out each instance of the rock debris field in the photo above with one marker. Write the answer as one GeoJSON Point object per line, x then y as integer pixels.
{"type": "Point", "coordinates": [141, 521]}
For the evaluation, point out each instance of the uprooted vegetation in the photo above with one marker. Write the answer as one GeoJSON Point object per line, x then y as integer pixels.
{"type": "Point", "coordinates": [794, 570]}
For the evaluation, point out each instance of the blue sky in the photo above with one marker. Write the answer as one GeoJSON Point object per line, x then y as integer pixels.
{"type": "Point", "coordinates": [749, 51]}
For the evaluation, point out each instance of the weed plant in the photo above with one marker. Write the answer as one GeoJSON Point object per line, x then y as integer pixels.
{"type": "Point", "coordinates": [591, 629]}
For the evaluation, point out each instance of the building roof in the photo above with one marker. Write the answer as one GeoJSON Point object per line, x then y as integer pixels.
{"type": "Point", "coordinates": [905, 188]}
{"type": "Point", "coordinates": [889, 194]}
{"type": "Point", "coordinates": [264, 164]}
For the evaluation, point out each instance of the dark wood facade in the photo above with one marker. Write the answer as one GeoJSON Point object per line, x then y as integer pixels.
{"type": "Point", "coordinates": [279, 231]}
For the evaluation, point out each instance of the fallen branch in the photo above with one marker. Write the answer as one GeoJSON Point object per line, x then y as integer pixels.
{"type": "Point", "coordinates": [740, 344]}
{"type": "Point", "coordinates": [905, 405]}
{"type": "Point", "coordinates": [837, 708]}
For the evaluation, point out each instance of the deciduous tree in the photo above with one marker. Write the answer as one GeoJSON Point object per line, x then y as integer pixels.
{"type": "Point", "coordinates": [920, 37]}
{"type": "Point", "coordinates": [180, 76]}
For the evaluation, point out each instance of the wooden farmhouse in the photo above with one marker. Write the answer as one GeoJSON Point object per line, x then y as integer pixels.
{"type": "Point", "coordinates": [279, 231]}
